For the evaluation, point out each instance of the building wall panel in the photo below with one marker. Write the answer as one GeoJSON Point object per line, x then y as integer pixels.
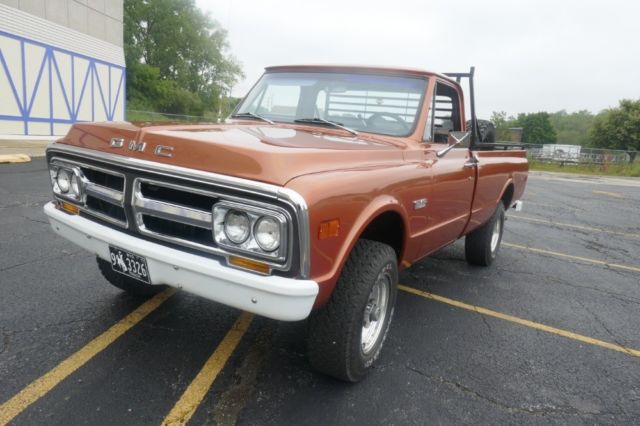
{"type": "Point", "coordinates": [48, 83]}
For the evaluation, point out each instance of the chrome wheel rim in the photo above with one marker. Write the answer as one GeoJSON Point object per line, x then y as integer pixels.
{"type": "Point", "coordinates": [495, 237]}
{"type": "Point", "coordinates": [375, 312]}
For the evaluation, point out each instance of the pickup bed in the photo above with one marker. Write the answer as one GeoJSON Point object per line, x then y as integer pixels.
{"type": "Point", "coordinates": [324, 182]}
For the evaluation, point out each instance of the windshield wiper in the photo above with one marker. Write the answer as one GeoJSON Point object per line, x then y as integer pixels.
{"type": "Point", "coordinates": [251, 115]}
{"type": "Point", "coordinates": [317, 120]}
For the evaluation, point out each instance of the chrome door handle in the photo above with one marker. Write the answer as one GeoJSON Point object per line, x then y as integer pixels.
{"type": "Point", "coordinates": [470, 164]}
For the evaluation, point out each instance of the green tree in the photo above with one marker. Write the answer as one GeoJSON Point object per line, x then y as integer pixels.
{"type": "Point", "coordinates": [536, 128]}
{"type": "Point", "coordinates": [618, 128]}
{"type": "Point", "coordinates": [572, 129]}
{"type": "Point", "coordinates": [503, 125]}
{"type": "Point", "coordinates": [176, 57]}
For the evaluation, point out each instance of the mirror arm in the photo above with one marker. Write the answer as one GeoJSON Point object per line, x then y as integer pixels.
{"type": "Point", "coordinates": [444, 152]}
{"type": "Point", "coordinates": [458, 141]}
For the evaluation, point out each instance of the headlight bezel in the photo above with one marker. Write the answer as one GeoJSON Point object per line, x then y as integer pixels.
{"type": "Point", "coordinates": [77, 186]}
{"type": "Point", "coordinates": [250, 246]}
{"type": "Point", "coordinates": [73, 171]}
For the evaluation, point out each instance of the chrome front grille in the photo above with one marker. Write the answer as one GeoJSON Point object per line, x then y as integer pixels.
{"type": "Point", "coordinates": [103, 195]}
{"type": "Point", "coordinates": [174, 213]}
{"type": "Point", "coordinates": [135, 195]}
{"type": "Point", "coordinates": [183, 215]}
{"type": "Point", "coordinates": [104, 178]}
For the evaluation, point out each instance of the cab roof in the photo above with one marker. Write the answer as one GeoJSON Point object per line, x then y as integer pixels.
{"type": "Point", "coordinates": [359, 68]}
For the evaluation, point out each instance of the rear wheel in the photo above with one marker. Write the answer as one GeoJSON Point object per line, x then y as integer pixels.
{"type": "Point", "coordinates": [481, 246]}
{"type": "Point", "coordinates": [130, 285]}
{"type": "Point", "coordinates": [346, 336]}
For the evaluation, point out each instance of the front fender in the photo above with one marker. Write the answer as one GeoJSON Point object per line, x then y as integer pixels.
{"type": "Point", "coordinates": [347, 197]}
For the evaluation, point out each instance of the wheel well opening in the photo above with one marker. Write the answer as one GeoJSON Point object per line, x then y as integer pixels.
{"type": "Point", "coordinates": [388, 228]}
{"type": "Point", "coordinates": [507, 197]}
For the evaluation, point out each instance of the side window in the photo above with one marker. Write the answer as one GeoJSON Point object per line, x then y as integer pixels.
{"type": "Point", "coordinates": [444, 115]}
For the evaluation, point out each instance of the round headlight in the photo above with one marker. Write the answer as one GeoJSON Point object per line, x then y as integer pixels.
{"type": "Point", "coordinates": [63, 179]}
{"type": "Point", "coordinates": [237, 226]}
{"type": "Point", "coordinates": [267, 233]}
{"type": "Point", "coordinates": [76, 187]}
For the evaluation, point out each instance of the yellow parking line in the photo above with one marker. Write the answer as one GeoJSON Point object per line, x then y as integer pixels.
{"type": "Point", "coordinates": [521, 321]}
{"type": "Point", "coordinates": [609, 194]}
{"type": "Point", "coordinates": [41, 386]}
{"type": "Point", "coordinates": [195, 393]}
{"type": "Point", "coordinates": [570, 225]}
{"type": "Point", "coordinates": [14, 158]}
{"type": "Point", "coordinates": [568, 256]}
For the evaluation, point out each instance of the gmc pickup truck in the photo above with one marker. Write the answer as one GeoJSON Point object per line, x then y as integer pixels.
{"type": "Point", "coordinates": [305, 203]}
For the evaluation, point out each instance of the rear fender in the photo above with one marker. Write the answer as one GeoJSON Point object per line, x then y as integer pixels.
{"type": "Point", "coordinates": [505, 188]}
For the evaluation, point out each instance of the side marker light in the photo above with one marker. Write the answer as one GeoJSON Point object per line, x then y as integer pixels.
{"type": "Point", "coordinates": [69, 208]}
{"type": "Point", "coordinates": [328, 229]}
{"type": "Point", "coordinates": [252, 265]}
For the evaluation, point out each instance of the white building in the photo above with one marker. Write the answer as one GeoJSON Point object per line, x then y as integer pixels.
{"type": "Point", "coordinates": [61, 61]}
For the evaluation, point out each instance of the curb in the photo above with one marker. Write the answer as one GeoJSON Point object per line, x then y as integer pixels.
{"type": "Point", "coordinates": [14, 158]}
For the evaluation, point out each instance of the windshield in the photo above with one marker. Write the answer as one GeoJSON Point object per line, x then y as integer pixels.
{"type": "Point", "coordinates": [372, 103]}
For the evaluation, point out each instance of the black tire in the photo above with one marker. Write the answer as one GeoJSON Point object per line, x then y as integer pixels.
{"type": "Point", "coordinates": [478, 247]}
{"type": "Point", "coordinates": [335, 335]}
{"type": "Point", "coordinates": [487, 130]}
{"type": "Point", "coordinates": [130, 285]}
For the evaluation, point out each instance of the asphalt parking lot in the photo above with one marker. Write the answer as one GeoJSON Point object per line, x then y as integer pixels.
{"type": "Point", "coordinates": [549, 334]}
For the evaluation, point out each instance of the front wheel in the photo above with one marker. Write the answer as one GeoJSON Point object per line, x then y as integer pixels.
{"type": "Point", "coordinates": [481, 246]}
{"type": "Point", "coordinates": [346, 336]}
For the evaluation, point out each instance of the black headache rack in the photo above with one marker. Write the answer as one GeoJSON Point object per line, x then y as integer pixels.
{"type": "Point", "coordinates": [475, 130]}
{"type": "Point", "coordinates": [476, 139]}
{"type": "Point", "coordinates": [499, 146]}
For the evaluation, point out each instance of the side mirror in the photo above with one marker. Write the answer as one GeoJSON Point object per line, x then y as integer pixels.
{"type": "Point", "coordinates": [455, 139]}
{"type": "Point", "coordinates": [459, 138]}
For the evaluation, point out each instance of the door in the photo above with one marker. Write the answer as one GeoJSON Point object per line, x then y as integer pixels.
{"type": "Point", "coordinates": [453, 174]}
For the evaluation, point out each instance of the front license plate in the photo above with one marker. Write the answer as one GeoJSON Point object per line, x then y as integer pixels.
{"type": "Point", "coordinates": [129, 264]}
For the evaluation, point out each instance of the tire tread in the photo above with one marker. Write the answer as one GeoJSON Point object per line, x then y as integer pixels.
{"type": "Point", "coordinates": [331, 329]}
{"type": "Point", "coordinates": [477, 244]}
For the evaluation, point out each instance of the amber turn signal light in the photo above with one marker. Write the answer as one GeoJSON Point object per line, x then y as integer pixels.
{"type": "Point", "coordinates": [69, 208]}
{"type": "Point", "coordinates": [330, 228]}
{"type": "Point", "coordinates": [252, 265]}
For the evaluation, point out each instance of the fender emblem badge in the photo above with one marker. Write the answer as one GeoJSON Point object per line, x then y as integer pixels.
{"type": "Point", "coordinates": [420, 204]}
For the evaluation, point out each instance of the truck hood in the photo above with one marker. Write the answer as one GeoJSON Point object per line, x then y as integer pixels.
{"type": "Point", "coordinates": [271, 153]}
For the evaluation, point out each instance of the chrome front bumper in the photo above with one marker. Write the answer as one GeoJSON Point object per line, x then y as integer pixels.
{"type": "Point", "coordinates": [274, 297]}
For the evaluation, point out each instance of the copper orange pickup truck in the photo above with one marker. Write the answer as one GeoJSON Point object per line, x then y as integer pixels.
{"type": "Point", "coordinates": [303, 204]}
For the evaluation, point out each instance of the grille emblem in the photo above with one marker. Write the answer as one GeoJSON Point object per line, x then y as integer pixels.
{"type": "Point", "coordinates": [163, 151]}
{"type": "Point", "coordinates": [117, 142]}
{"type": "Point", "coordinates": [137, 146]}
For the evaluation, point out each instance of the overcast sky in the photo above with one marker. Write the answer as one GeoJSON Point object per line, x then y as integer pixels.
{"type": "Point", "coordinates": [529, 55]}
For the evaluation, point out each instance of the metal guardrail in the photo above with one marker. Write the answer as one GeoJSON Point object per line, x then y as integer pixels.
{"type": "Point", "coordinates": [568, 154]}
